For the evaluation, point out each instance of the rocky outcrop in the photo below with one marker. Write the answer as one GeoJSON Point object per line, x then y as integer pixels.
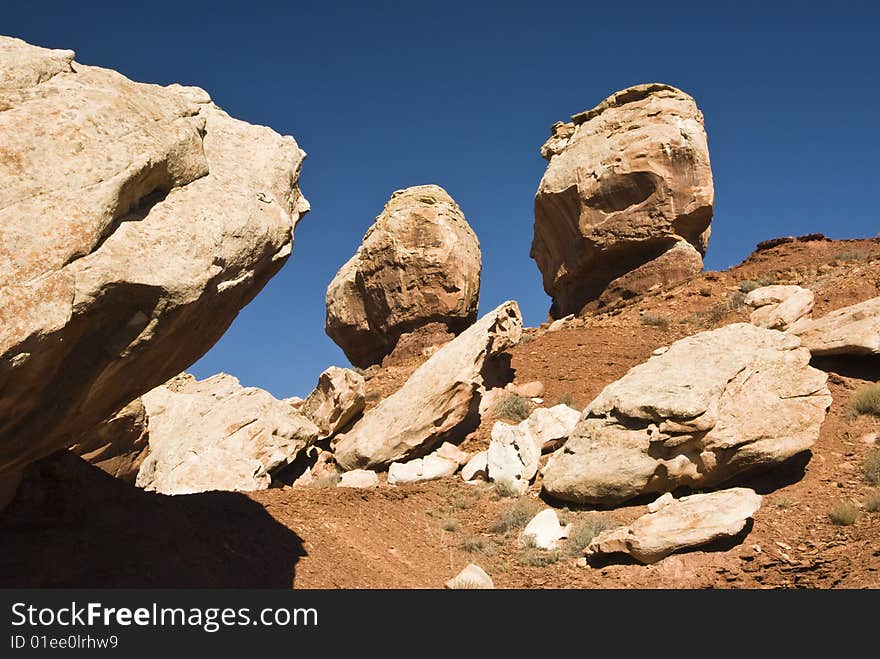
{"type": "Point", "coordinates": [853, 330]}
{"type": "Point", "coordinates": [135, 222]}
{"type": "Point", "coordinates": [119, 445]}
{"type": "Point", "coordinates": [339, 398]}
{"type": "Point", "coordinates": [437, 398]}
{"type": "Point", "coordinates": [626, 201]}
{"type": "Point", "coordinates": [779, 307]}
{"type": "Point", "coordinates": [711, 406]}
{"type": "Point", "coordinates": [215, 434]}
{"type": "Point", "coordinates": [676, 524]}
{"type": "Point", "coordinates": [418, 268]}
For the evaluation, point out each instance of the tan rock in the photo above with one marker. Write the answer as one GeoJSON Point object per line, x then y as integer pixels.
{"type": "Point", "coordinates": [135, 222]}
{"type": "Point", "coordinates": [419, 265]}
{"type": "Point", "coordinates": [472, 577]}
{"type": "Point", "coordinates": [853, 330]}
{"type": "Point", "coordinates": [627, 184]}
{"type": "Point", "coordinates": [713, 405]}
{"type": "Point", "coordinates": [429, 468]}
{"type": "Point", "coordinates": [321, 467]}
{"type": "Point", "coordinates": [452, 452]}
{"type": "Point", "coordinates": [434, 401]}
{"type": "Point", "coordinates": [544, 530]}
{"type": "Point", "coordinates": [119, 445]}
{"type": "Point", "coordinates": [215, 434]}
{"type": "Point", "coordinates": [688, 522]}
{"type": "Point", "coordinates": [339, 397]}
{"type": "Point", "coordinates": [550, 426]}
{"type": "Point", "coordinates": [359, 478]}
{"type": "Point", "coordinates": [779, 307]}
{"type": "Point", "coordinates": [527, 389]}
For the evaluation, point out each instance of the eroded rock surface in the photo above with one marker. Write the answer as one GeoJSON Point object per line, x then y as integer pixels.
{"type": "Point", "coordinates": [339, 398]}
{"type": "Point", "coordinates": [119, 445]}
{"type": "Point", "coordinates": [852, 330]}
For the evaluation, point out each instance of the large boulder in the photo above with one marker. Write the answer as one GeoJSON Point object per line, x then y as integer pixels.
{"type": "Point", "coordinates": [215, 434]}
{"type": "Point", "coordinates": [135, 222]}
{"type": "Point", "coordinates": [778, 306]}
{"type": "Point", "coordinates": [711, 406]}
{"type": "Point", "coordinates": [626, 201]}
{"type": "Point", "coordinates": [417, 273]}
{"type": "Point", "coordinates": [853, 330]}
{"type": "Point", "coordinates": [676, 524]}
{"type": "Point", "coordinates": [437, 398]}
{"type": "Point", "coordinates": [119, 445]}
{"type": "Point", "coordinates": [338, 399]}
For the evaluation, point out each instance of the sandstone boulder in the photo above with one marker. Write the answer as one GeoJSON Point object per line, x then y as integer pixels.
{"type": "Point", "coordinates": [684, 523]}
{"type": "Point", "coordinates": [713, 405]}
{"type": "Point", "coordinates": [119, 445]}
{"type": "Point", "coordinates": [418, 267]}
{"type": "Point", "coordinates": [626, 201]}
{"type": "Point", "coordinates": [853, 330]}
{"type": "Point", "coordinates": [429, 468]}
{"type": "Point", "coordinates": [544, 530]}
{"type": "Point", "coordinates": [339, 397]}
{"type": "Point", "coordinates": [513, 456]}
{"type": "Point", "coordinates": [779, 307]}
{"type": "Point", "coordinates": [359, 478]}
{"type": "Point", "coordinates": [477, 468]}
{"type": "Point", "coordinates": [472, 577]}
{"type": "Point", "coordinates": [135, 222]}
{"type": "Point", "coordinates": [550, 426]}
{"type": "Point", "coordinates": [320, 468]}
{"type": "Point", "coordinates": [215, 434]}
{"type": "Point", "coordinates": [436, 399]}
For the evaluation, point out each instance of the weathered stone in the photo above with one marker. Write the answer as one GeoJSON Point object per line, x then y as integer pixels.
{"type": "Point", "coordinates": [472, 577]}
{"type": "Point", "coordinates": [321, 467]}
{"type": "Point", "coordinates": [434, 401]}
{"type": "Point", "coordinates": [419, 265]}
{"type": "Point", "coordinates": [339, 397]}
{"type": "Point", "coordinates": [477, 467]}
{"type": "Point", "coordinates": [544, 530]}
{"type": "Point", "coordinates": [853, 330]}
{"type": "Point", "coordinates": [713, 405]}
{"type": "Point", "coordinates": [452, 452]}
{"type": "Point", "coordinates": [119, 445]}
{"type": "Point", "coordinates": [429, 468]}
{"type": "Point", "coordinates": [215, 434]}
{"type": "Point", "coordinates": [688, 522]}
{"type": "Point", "coordinates": [513, 456]}
{"type": "Point", "coordinates": [550, 426]}
{"type": "Point", "coordinates": [779, 307]}
{"type": "Point", "coordinates": [627, 193]}
{"type": "Point", "coordinates": [359, 478]}
{"type": "Point", "coordinates": [527, 389]}
{"type": "Point", "coordinates": [135, 222]}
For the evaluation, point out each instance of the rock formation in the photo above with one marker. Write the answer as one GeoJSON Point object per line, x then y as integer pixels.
{"type": "Point", "coordinates": [779, 307]}
{"type": "Point", "coordinates": [626, 200]}
{"type": "Point", "coordinates": [709, 407]}
{"type": "Point", "coordinates": [676, 524]}
{"type": "Point", "coordinates": [120, 444]}
{"type": "Point", "coordinates": [215, 434]}
{"type": "Point", "coordinates": [417, 273]}
{"type": "Point", "coordinates": [853, 330]}
{"type": "Point", "coordinates": [434, 401]}
{"type": "Point", "coordinates": [135, 222]}
{"type": "Point", "coordinates": [339, 397]}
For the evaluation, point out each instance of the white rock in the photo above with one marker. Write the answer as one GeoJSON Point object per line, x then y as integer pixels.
{"type": "Point", "coordinates": [513, 456]}
{"type": "Point", "coordinates": [429, 468]}
{"type": "Point", "coordinates": [339, 397]}
{"type": "Point", "coordinates": [477, 467]}
{"type": "Point", "coordinates": [778, 306]}
{"type": "Point", "coordinates": [853, 330]}
{"type": "Point", "coordinates": [549, 426]}
{"type": "Point", "coordinates": [361, 478]}
{"type": "Point", "coordinates": [471, 577]}
{"type": "Point", "coordinates": [544, 530]}
{"type": "Point", "coordinates": [452, 452]}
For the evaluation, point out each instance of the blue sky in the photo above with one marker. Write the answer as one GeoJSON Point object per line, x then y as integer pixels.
{"type": "Point", "coordinates": [387, 95]}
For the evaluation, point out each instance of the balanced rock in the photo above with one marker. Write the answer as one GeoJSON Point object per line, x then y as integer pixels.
{"type": "Point", "coordinates": [436, 399]}
{"type": "Point", "coordinates": [626, 201]}
{"type": "Point", "coordinates": [339, 397]}
{"type": "Point", "coordinates": [135, 222]}
{"type": "Point", "coordinates": [418, 268]}
{"type": "Point", "coordinates": [119, 445]}
{"type": "Point", "coordinates": [713, 405]}
{"type": "Point", "coordinates": [853, 330]}
{"type": "Point", "coordinates": [779, 307]}
{"type": "Point", "coordinates": [215, 434]}
{"type": "Point", "coordinates": [683, 523]}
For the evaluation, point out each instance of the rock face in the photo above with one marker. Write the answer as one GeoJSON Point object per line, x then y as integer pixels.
{"type": "Point", "coordinates": [626, 200]}
{"type": "Point", "coordinates": [779, 307]}
{"type": "Point", "coordinates": [215, 434]}
{"type": "Point", "coordinates": [711, 406]}
{"type": "Point", "coordinates": [417, 268]}
{"type": "Point", "coordinates": [120, 444]}
{"type": "Point", "coordinates": [339, 397]}
{"type": "Point", "coordinates": [680, 524]}
{"type": "Point", "coordinates": [135, 222]}
{"type": "Point", "coordinates": [437, 398]}
{"type": "Point", "coordinates": [853, 330]}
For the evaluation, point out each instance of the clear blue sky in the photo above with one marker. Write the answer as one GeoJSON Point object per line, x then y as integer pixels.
{"type": "Point", "coordinates": [388, 95]}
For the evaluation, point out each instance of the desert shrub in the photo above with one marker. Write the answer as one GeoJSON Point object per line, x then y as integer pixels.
{"type": "Point", "coordinates": [748, 285]}
{"type": "Point", "coordinates": [872, 502]}
{"type": "Point", "coordinates": [327, 481]}
{"type": "Point", "coordinates": [526, 338]}
{"type": "Point", "coordinates": [463, 502]}
{"type": "Point", "coordinates": [450, 524]}
{"type": "Point", "coordinates": [843, 514]}
{"type": "Point", "coordinates": [583, 532]}
{"type": "Point", "coordinates": [655, 320]}
{"type": "Point", "coordinates": [567, 399]}
{"type": "Point", "coordinates": [474, 544]}
{"type": "Point", "coordinates": [736, 301]}
{"type": "Point", "coordinates": [513, 407]}
{"type": "Point", "coordinates": [871, 467]}
{"type": "Point", "coordinates": [866, 400]}
{"type": "Point", "coordinates": [849, 255]}
{"type": "Point", "coordinates": [517, 515]}
{"type": "Point", "coordinates": [505, 489]}
{"type": "Point", "coordinates": [783, 502]}
{"type": "Point", "coordinates": [537, 558]}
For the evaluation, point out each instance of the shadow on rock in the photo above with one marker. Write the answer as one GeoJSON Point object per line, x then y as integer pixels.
{"type": "Point", "coordinates": [72, 525]}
